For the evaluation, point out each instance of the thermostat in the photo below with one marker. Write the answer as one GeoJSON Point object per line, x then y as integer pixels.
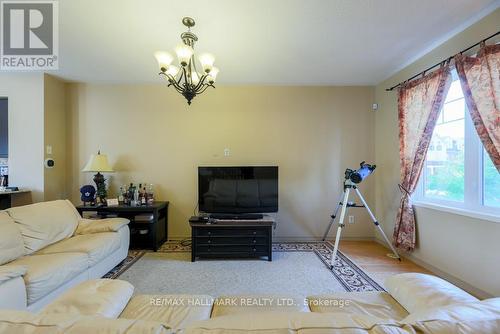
{"type": "Point", "coordinates": [49, 163]}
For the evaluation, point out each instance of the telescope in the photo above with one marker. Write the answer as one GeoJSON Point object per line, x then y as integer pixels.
{"type": "Point", "coordinates": [352, 179]}
{"type": "Point", "coordinates": [356, 176]}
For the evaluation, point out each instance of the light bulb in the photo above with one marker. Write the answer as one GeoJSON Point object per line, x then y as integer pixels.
{"type": "Point", "coordinates": [164, 60]}
{"type": "Point", "coordinates": [207, 61]}
{"type": "Point", "coordinates": [213, 74]}
{"type": "Point", "coordinates": [172, 70]}
{"type": "Point", "coordinates": [184, 52]}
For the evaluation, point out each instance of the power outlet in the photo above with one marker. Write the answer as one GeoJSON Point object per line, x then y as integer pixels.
{"type": "Point", "coordinates": [227, 152]}
{"type": "Point", "coordinates": [351, 219]}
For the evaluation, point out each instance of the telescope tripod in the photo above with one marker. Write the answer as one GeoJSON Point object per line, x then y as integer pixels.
{"type": "Point", "coordinates": [345, 204]}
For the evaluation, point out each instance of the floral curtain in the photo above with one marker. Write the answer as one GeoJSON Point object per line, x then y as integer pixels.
{"type": "Point", "coordinates": [419, 103]}
{"type": "Point", "coordinates": [480, 80]}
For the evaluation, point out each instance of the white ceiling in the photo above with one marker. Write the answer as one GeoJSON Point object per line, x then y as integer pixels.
{"type": "Point", "coordinates": [291, 42]}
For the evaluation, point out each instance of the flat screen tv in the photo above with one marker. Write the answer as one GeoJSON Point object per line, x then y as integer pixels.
{"type": "Point", "coordinates": [238, 189]}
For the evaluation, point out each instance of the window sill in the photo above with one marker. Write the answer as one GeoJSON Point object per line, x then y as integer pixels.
{"type": "Point", "coordinates": [459, 211]}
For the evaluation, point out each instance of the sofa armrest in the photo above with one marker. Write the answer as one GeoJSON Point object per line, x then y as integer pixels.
{"type": "Point", "coordinates": [26, 322]}
{"type": "Point", "coordinates": [101, 297]}
{"type": "Point", "coordinates": [12, 287]}
{"type": "Point", "coordinates": [89, 226]}
{"type": "Point", "coordinates": [416, 292]}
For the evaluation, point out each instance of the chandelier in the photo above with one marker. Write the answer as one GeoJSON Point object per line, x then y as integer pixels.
{"type": "Point", "coordinates": [186, 79]}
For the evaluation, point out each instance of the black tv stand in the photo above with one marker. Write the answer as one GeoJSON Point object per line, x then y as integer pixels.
{"type": "Point", "coordinates": [232, 238]}
{"type": "Point", "coordinates": [237, 216]}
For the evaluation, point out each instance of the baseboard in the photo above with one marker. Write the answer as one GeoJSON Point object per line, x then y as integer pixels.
{"type": "Point", "coordinates": [290, 239]}
{"type": "Point", "coordinates": [317, 239]}
{"type": "Point", "coordinates": [481, 294]}
{"type": "Point", "coordinates": [178, 238]}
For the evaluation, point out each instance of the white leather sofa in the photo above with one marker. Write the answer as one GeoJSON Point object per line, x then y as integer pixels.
{"type": "Point", "coordinates": [414, 303]}
{"type": "Point", "coordinates": [47, 248]}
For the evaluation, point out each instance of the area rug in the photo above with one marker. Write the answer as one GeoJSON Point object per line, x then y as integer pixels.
{"type": "Point", "coordinates": [302, 265]}
{"type": "Point", "coordinates": [133, 256]}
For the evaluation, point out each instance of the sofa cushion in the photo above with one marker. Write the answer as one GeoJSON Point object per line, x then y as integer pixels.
{"type": "Point", "coordinates": [97, 246]}
{"type": "Point", "coordinates": [228, 305]}
{"type": "Point", "coordinates": [377, 304]}
{"type": "Point", "coordinates": [415, 291]}
{"type": "Point", "coordinates": [101, 297]}
{"type": "Point", "coordinates": [10, 271]}
{"type": "Point", "coordinates": [176, 311]}
{"type": "Point", "coordinates": [11, 241]}
{"type": "Point", "coordinates": [481, 310]}
{"type": "Point", "coordinates": [45, 223]}
{"type": "Point", "coordinates": [489, 326]}
{"type": "Point", "coordinates": [88, 226]}
{"type": "Point", "coordinates": [297, 322]}
{"type": "Point", "coordinates": [47, 272]}
{"type": "Point", "coordinates": [30, 323]}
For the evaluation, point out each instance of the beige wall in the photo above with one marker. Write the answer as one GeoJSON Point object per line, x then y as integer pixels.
{"type": "Point", "coordinates": [152, 135]}
{"type": "Point", "coordinates": [464, 249]}
{"type": "Point", "coordinates": [25, 94]}
{"type": "Point", "coordinates": [55, 136]}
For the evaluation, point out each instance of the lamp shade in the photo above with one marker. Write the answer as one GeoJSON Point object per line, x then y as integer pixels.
{"type": "Point", "coordinates": [98, 163]}
{"type": "Point", "coordinates": [184, 53]}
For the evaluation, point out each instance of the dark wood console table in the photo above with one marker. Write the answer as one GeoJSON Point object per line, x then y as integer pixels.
{"type": "Point", "coordinates": [232, 238]}
{"type": "Point", "coordinates": [157, 228]}
{"type": "Point", "coordinates": [6, 198]}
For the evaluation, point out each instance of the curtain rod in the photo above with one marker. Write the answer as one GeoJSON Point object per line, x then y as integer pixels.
{"type": "Point", "coordinates": [447, 59]}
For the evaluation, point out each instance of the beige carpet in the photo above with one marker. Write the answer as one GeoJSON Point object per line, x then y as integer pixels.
{"type": "Point", "coordinates": [296, 274]}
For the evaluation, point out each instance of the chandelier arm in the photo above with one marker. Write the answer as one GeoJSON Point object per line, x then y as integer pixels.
{"type": "Point", "coordinates": [191, 69]}
{"type": "Point", "coordinates": [202, 89]}
{"type": "Point", "coordinates": [169, 77]}
{"type": "Point", "coordinates": [186, 81]}
{"type": "Point", "coordinates": [178, 88]}
{"type": "Point", "coordinates": [176, 85]}
{"type": "Point", "coordinates": [178, 81]}
{"type": "Point", "coordinates": [197, 91]}
{"type": "Point", "coordinates": [171, 81]}
{"type": "Point", "coordinates": [205, 88]}
{"type": "Point", "coordinates": [202, 80]}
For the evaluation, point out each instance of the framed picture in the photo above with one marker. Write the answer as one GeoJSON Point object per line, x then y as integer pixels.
{"type": "Point", "coordinates": [112, 201]}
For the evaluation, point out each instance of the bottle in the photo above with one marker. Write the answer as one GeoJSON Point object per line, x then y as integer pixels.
{"type": "Point", "coordinates": [151, 198]}
{"type": "Point", "coordinates": [130, 195]}
{"type": "Point", "coordinates": [139, 199]}
{"type": "Point", "coordinates": [125, 194]}
{"type": "Point", "coordinates": [144, 196]}
{"type": "Point", "coordinates": [136, 197]}
{"type": "Point", "coordinates": [120, 196]}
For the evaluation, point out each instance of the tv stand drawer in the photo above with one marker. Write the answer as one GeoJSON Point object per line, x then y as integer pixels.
{"type": "Point", "coordinates": [227, 231]}
{"type": "Point", "coordinates": [232, 240]}
{"type": "Point", "coordinates": [204, 249]}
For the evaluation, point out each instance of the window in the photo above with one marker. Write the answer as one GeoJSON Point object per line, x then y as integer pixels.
{"type": "Point", "coordinates": [491, 182]}
{"type": "Point", "coordinates": [458, 172]}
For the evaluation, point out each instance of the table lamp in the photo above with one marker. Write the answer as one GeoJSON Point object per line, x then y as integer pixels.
{"type": "Point", "coordinates": [99, 163]}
